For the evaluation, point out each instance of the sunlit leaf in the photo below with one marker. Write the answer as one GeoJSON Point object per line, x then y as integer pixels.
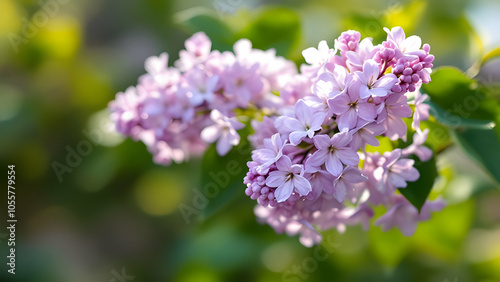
{"type": "Point", "coordinates": [449, 119]}
{"type": "Point", "coordinates": [460, 97]}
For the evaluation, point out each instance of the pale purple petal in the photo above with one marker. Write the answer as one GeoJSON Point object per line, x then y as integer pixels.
{"type": "Point", "coordinates": [224, 144]}
{"type": "Point", "coordinates": [333, 165]}
{"type": "Point", "coordinates": [339, 191]}
{"type": "Point", "coordinates": [348, 157]}
{"type": "Point", "coordinates": [321, 141]}
{"type": "Point", "coordinates": [339, 104]}
{"type": "Point", "coordinates": [284, 191]}
{"type": "Point", "coordinates": [276, 178]}
{"type": "Point", "coordinates": [297, 136]}
{"type": "Point", "coordinates": [353, 175]}
{"type": "Point", "coordinates": [364, 92]}
{"type": "Point", "coordinates": [386, 82]}
{"type": "Point", "coordinates": [318, 158]}
{"type": "Point", "coordinates": [302, 185]}
{"type": "Point", "coordinates": [211, 133]}
{"type": "Point", "coordinates": [284, 164]}
{"type": "Point", "coordinates": [366, 111]}
{"type": "Point", "coordinates": [287, 123]}
{"type": "Point", "coordinates": [348, 120]}
{"type": "Point", "coordinates": [303, 112]}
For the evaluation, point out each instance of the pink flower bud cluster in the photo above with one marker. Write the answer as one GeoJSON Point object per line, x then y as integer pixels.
{"type": "Point", "coordinates": [177, 111]}
{"type": "Point", "coordinates": [310, 170]}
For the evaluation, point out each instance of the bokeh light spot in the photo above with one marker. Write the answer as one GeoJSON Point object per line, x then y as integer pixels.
{"type": "Point", "coordinates": [158, 193]}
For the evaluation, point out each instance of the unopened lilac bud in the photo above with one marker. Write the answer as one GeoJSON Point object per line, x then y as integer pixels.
{"type": "Point", "coordinates": [429, 59]}
{"type": "Point", "coordinates": [396, 88]}
{"type": "Point", "coordinates": [416, 67]}
{"type": "Point", "coordinates": [426, 48]}
{"type": "Point", "coordinates": [407, 71]}
{"type": "Point", "coordinates": [411, 87]}
{"type": "Point", "coordinates": [398, 69]}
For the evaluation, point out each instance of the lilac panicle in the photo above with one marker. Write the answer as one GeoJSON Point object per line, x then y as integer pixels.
{"type": "Point", "coordinates": [356, 97]}
{"type": "Point", "coordinates": [310, 169]}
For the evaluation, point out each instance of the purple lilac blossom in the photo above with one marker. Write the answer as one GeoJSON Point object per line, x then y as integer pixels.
{"type": "Point", "coordinates": [311, 169]}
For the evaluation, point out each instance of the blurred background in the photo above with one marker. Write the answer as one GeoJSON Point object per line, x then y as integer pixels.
{"type": "Point", "coordinates": [92, 206]}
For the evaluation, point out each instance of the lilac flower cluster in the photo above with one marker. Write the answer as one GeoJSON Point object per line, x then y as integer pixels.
{"type": "Point", "coordinates": [177, 111]}
{"type": "Point", "coordinates": [310, 170]}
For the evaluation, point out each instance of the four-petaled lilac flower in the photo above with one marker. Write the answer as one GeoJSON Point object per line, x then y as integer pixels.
{"type": "Point", "coordinates": [319, 59]}
{"type": "Point", "coordinates": [329, 86]}
{"type": "Point", "coordinates": [349, 107]}
{"type": "Point", "coordinates": [395, 172]}
{"type": "Point", "coordinates": [369, 84]}
{"type": "Point", "coordinates": [404, 45]}
{"type": "Point", "coordinates": [224, 130]}
{"type": "Point", "coordinates": [321, 180]}
{"type": "Point", "coordinates": [365, 133]}
{"type": "Point", "coordinates": [272, 151]}
{"type": "Point", "coordinates": [344, 181]}
{"type": "Point", "coordinates": [288, 178]}
{"type": "Point", "coordinates": [333, 152]}
{"type": "Point", "coordinates": [305, 123]}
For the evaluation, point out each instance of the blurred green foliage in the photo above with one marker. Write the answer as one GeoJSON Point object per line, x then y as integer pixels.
{"type": "Point", "coordinates": [115, 209]}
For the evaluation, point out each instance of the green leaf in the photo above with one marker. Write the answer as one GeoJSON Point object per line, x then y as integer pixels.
{"type": "Point", "coordinates": [484, 147]}
{"type": "Point", "coordinates": [222, 177]}
{"type": "Point", "coordinates": [198, 19]}
{"type": "Point", "coordinates": [277, 28]}
{"type": "Point", "coordinates": [460, 96]}
{"type": "Point", "coordinates": [417, 192]}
